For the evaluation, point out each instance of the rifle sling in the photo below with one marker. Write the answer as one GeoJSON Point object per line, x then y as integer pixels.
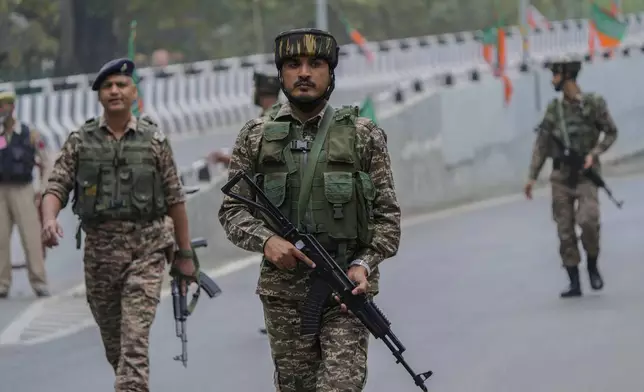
{"type": "Point", "coordinates": [307, 176]}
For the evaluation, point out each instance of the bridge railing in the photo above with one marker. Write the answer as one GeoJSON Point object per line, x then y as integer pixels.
{"type": "Point", "coordinates": [206, 96]}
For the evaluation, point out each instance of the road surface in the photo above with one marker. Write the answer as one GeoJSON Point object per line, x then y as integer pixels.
{"type": "Point", "coordinates": [473, 295]}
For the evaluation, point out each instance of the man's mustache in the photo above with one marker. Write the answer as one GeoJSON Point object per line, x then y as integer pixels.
{"type": "Point", "coordinates": [304, 83]}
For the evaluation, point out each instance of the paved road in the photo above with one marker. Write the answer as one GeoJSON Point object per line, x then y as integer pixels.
{"type": "Point", "coordinates": [473, 296]}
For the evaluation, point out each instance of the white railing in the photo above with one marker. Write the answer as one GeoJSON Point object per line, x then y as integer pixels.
{"type": "Point", "coordinates": [208, 96]}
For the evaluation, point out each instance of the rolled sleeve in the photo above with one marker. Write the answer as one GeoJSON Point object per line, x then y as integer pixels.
{"type": "Point", "coordinates": [62, 177]}
{"type": "Point", "coordinates": [172, 187]}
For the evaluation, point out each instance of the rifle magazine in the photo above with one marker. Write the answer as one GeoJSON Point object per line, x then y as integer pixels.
{"type": "Point", "coordinates": [313, 307]}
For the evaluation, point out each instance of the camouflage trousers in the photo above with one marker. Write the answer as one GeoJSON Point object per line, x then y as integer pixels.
{"type": "Point", "coordinates": [570, 206]}
{"type": "Point", "coordinates": [123, 284]}
{"type": "Point", "coordinates": [335, 361]}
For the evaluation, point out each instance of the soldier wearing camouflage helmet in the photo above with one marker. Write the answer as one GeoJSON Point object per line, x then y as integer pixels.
{"type": "Point", "coordinates": [265, 95]}
{"type": "Point", "coordinates": [125, 182]}
{"type": "Point", "coordinates": [578, 119]}
{"type": "Point", "coordinates": [351, 207]}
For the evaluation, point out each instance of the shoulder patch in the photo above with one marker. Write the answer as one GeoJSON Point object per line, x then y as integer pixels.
{"type": "Point", "coordinates": [91, 120]}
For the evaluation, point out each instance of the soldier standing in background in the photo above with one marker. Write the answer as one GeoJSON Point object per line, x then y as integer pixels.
{"type": "Point", "coordinates": [267, 91]}
{"type": "Point", "coordinates": [21, 149]}
{"type": "Point", "coordinates": [577, 119]}
{"type": "Point", "coordinates": [351, 209]}
{"type": "Point", "coordinates": [125, 181]}
{"type": "Point", "coordinates": [266, 94]}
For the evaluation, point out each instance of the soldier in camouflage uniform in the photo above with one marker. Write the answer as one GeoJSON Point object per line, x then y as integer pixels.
{"type": "Point", "coordinates": [350, 206]}
{"type": "Point", "coordinates": [267, 91]}
{"type": "Point", "coordinates": [125, 181]}
{"type": "Point", "coordinates": [266, 95]}
{"type": "Point", "coordinates": [577, 119]}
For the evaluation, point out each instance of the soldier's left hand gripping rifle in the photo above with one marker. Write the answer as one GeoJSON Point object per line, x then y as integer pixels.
{"type": "Point", "coordinates": [182, 310]}
{"type": "Point", "coordinates": [577, 161]}
{"type": "Point", "coordinates": [328, 273]}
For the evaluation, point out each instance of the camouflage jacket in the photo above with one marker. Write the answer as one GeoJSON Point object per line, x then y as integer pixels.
{"type": "Point", "coordinates": [251, 233]}
{"type": "Point", "coordinates": [585, 119]}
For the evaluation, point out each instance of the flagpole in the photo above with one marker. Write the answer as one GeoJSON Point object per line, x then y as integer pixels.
{"type": "Point", "coordinates": [321, 17]}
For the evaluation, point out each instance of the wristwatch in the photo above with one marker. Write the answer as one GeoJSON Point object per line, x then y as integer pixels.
{"type": "Point", "coordinates": [185, 254]}
{"type": "Point", "coordinates": [361, 263]}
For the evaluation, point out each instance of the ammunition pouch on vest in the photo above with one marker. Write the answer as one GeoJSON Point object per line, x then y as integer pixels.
{"type": "Point", "coordinates": [118, 180]}
{"type": "Point", "coordinates": [340, 207]}
{"type": "Point", "coordinates": [18, 158]}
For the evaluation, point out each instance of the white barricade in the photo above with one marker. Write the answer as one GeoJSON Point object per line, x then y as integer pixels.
{"type": "Point", "coordinates": [207, 96]}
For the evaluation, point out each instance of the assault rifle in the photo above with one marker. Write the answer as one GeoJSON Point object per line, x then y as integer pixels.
{"type": "Point", "coordinates": [180, 304]}
{"type": "Point", "coordinates": [576, 161]}
{"type": "Point", "coordinates": [328, 273]}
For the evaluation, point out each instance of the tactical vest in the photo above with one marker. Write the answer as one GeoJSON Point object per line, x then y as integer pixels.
{"type": "Point", "coordinates": [18, 158]}
{"type": "Point", "coordinates": [577, 129]}
{"type": "Point", "coordinates": [118, 179]}
{"type": "Point", "coordinates": [339, 211]}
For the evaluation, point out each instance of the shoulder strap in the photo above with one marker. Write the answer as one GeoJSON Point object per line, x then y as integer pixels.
{"type": "Point", "coordinates": [562, 123]}
{"type": "Point", "coordinates": [307, 178]}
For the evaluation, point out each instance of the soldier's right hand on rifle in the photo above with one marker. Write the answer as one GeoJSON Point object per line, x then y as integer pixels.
{"type": "Point", "coordinates": [284, 254]}
{"type": "Point", "coordinates": [51, 231]}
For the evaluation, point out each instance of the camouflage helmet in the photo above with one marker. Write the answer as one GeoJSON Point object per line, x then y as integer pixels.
{"type": "Point", "coordinates": [266, 84]}
{"type": "Point", "coordinates": [306, 42]}
{"type": "Point", "coordinates": [566, 64]}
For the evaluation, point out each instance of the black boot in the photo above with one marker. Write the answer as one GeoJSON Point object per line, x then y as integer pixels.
{"type": "Point", "coordinates": [596, 281]}
{"type": "Point", "coordinates": [575, 288]}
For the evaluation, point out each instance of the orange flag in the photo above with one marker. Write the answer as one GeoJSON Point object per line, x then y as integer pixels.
{"type": "Point", "coordinates": [501, 58]}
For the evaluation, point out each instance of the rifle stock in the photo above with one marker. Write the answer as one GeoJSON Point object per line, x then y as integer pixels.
{"type": "Point", "coordinates": [576, 161]}
{"type": "Point", "coordinates": [328, 273]}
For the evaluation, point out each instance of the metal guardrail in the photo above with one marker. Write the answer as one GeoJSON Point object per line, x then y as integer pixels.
{"type": "Point", "coordinates": [204, 97]}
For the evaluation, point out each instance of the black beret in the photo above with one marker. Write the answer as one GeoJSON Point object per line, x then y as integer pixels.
{"type": "Point", "coordinates": [121, 66]}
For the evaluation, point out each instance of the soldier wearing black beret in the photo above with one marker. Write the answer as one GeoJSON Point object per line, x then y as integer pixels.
{"type": "Point", "coordinates": [126, 183]}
